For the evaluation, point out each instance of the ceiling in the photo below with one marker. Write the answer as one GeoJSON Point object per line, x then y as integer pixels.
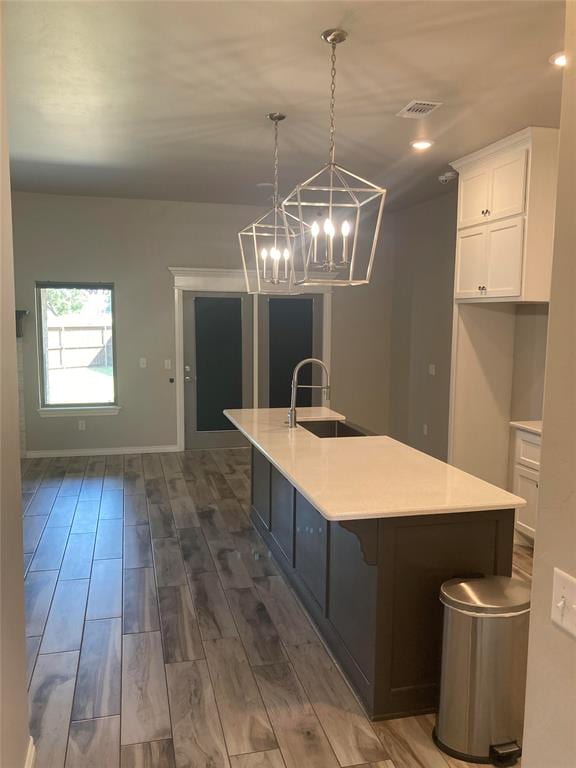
{"type": "Point", "coordinates": [167, 100]}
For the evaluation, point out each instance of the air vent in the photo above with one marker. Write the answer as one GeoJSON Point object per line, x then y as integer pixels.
{"type": "Point", "coordinates": [416, 109]}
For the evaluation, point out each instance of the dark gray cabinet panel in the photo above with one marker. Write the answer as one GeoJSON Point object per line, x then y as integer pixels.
{"type": "Point", "coordinates": [311, 544]}
{"type": "Point", "coordinates": [282, 513]}
{"type": "Point", "coordinates": [261, 486]}
{"type": "Point", "coordinates": [353, 588]}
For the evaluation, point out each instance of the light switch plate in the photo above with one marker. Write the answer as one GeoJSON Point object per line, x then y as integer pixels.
{"type": "Point", "coordinates": [168, 365]}
{"type": "Point", "coordinates": [432, 369]}
{"type": "Point", "coordinates": [564, 601]}
{"type": "Point", "coordinates": [143, 362]}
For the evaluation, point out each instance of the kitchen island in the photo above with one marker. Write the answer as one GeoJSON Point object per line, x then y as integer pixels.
{"type": "Point", "coordinates": [366, 529]}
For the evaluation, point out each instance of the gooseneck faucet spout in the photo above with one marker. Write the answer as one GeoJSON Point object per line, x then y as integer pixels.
{"type": "Point", "coordinates": [295, 386]}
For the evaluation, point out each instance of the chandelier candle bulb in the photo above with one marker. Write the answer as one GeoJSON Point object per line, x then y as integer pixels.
{"type": "Point", "coordinates": [264, 257]}
{"type": "Point", "coordinates": [345, 232]}
{"type": "Point", "coordinates": [329, 232]}
{"type": "Point", "coordinates": [315, 231]}
{"type": "Point", "coordinates": [275, 253]}
{"type": "Point", "coordinates": [286, 255]}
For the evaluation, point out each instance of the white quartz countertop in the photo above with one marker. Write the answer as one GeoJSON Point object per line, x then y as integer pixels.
{"type": "Point", "coordinates": [353, 478]}
{"type": "Point", "coordinates": [528, 426]}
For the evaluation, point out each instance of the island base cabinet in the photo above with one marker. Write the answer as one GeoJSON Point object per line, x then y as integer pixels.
{"type": "Point", "coordinates": [353, 600]}
{"type": "Point", "coordinates": [282, 513]}
{"type": "Point", "coordinates": [311, 545]}
{"type": "Point", "coordinates": [261, 469]}
{"type": "Point", "coordinates": [415, 556]}
{"type": "Point", "coordinates": [372, 589]}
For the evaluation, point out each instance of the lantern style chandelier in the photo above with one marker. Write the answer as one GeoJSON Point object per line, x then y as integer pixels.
{"type": "Point", "coordinates": [339, 213]}
{"type": "Point", "coordinates": [269, 245]}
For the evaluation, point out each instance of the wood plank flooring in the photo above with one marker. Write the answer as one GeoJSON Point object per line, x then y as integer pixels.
{"type": "Point", "coordinates": [160, 633]}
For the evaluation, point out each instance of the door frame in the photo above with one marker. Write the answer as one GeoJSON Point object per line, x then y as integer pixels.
{"type": "Point", "coordinates": [218, 438]}
{"type": "Point", "coordinates": [204, 280]}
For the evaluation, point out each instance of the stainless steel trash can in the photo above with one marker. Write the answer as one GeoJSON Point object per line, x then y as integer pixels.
{"type": "Point", "coordinates": [483, 681]}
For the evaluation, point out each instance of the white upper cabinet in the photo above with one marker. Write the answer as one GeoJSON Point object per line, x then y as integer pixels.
{"type": "Point", "coordinates": [507, 185]}
{"type": "Point", "coordinates": [492, 189]}
{"type": "Point", "coordinates": [506, 209]}
{"type": "Point", "coordinates": [473, 197]}
{"type": "Point", "coordinates": [489, 260]}
{"type": "Point", "coordinates": [504, 255]}
{"type": "Point", "coordinates": [471, 264]}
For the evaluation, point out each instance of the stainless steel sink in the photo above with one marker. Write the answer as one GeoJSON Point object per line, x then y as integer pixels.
{"type": "Point", "coordinates": [334, 428]}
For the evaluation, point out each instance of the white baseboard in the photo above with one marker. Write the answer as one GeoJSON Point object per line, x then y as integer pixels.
{"type": "Point", "coordinates": [31, 754]}
{"type": "Point", "coordinates": [101, 451]}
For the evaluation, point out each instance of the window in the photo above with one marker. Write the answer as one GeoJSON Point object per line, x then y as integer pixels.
{"type": "Point", "coordinates": [76, 344]}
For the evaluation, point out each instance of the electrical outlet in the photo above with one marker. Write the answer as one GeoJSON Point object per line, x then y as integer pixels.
{"type": "Point", "coordinates": [168, 365]}
{"type": "Point", "coordinates": [432, 369]}
{"type": "Point", "coordinates": [143, 362]}
{"type": "Point", "coordinates": [564, 601]}
{"type": "Point", "coordinates": [81, 425]}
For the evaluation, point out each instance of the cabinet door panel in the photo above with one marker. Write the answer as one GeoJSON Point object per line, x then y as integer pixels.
{"type": "Point", "coordinates": [282, 513]}
{"type": "Point", "coordinates": [353, 588]}
{"type": "Point", "coordinates": [473, 193]}
{"type": "Point", "coordinates": [261, 486]}
{"type": "Point", "coordinates": [526, 486]}
{"type": "Point", "coordinates": [504, 249]}
{"type": "Point", "coordinates": [508, 185]}
{"type": "Point", "coordinates": [311, 543]}
{"type": "Point", "coordinates": [471, 267]}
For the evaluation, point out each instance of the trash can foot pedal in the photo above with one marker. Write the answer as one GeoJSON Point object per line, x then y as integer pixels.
{"type": "Point", "coordinates": [503, 755]}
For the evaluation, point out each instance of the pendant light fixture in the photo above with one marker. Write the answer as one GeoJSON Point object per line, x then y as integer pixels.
{"type": "Point", "coordinates": [269, 244]}
{"type": "Point", "coordinates": [339, 212]}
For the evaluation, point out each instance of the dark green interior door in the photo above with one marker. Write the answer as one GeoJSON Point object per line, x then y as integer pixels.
{"type": "Point", "coordinates": [291, 339]}
{"type": "Point", "coordinates": [218, 324]}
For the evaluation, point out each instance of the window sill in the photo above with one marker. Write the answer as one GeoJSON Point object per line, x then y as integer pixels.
{"type": "Point", "coordinates": [95, 410]}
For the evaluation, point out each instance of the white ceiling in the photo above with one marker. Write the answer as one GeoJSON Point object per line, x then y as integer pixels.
{"type": "Point", "coordinates": [167, 100]}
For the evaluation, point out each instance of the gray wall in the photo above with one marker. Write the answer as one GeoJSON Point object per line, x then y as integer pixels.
{"type": "Point", "coordinates": [424, 243]}
{"type": "Point", "coordinates": [529, 361]}
{"type": "Point", "coordinates": [131, 243]}
{"type": "Point", "coordinates": [550, 735]}
{"type": "Point", "coordinates": [14, 738]}
{"type": "Point", "coordinates": [361, 338]}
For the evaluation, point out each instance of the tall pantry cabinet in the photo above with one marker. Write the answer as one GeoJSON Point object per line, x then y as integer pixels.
{"type": "Point", "coordinates": [504, 246]}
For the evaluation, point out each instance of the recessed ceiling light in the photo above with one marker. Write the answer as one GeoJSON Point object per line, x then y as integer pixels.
{"type": "Point", "coordinates": [421, 144]}
{"type": "Point", "coordinates": [559, 59]}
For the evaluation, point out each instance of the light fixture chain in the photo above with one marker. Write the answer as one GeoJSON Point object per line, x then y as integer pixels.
{"type": "Point", "coordinates": [275, 163]}
{"type": "Point", "coordinates": [332, 103]}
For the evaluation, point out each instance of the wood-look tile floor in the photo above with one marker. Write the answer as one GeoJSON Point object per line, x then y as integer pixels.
{"type": "Point", "coordinates": [160, 634]}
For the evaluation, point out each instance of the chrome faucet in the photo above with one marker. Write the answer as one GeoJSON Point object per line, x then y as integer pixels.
{"type": "Point", "coordinates": [295, 386]}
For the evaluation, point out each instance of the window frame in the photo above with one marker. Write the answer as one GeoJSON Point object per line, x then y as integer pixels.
{"type": "Point", "coordinates": [111, 407]}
